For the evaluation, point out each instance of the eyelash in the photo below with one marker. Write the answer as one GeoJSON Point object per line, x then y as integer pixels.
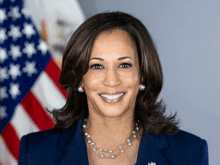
{"type": "Point", "coordinates": [98, 66]}
{"type": "Point", "coordinates": [127, 65]}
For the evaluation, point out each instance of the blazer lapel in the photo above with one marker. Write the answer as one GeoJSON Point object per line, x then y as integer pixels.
{"type": "Point", "coordinates": [150, 149]}
{"type": "Point", "coordinates": [72, 147]}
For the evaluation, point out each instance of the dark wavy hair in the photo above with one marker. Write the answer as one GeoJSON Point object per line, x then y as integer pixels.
{"type": "Point", "coordinates": [75, 64]}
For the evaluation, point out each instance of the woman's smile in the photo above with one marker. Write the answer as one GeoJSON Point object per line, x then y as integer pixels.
{"type": "Point", "coordinates": [114, 98]}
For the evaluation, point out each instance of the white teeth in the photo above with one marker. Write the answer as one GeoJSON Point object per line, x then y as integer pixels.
{"type": "Point", "coordinates": [112, 96]}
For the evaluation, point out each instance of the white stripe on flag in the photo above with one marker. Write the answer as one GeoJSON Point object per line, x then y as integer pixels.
{"type": "Point", "coordinates": [22, 122]}
{"type": "Point", "coordinates": [47, 93]}
{"type": "Point", "coordinates": [5, 155]}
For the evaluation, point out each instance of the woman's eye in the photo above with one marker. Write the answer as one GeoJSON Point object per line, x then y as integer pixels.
{"type": "Point", "coordinates": [125, 65]}
{"type": "Point", "coordinates": [96, 66]}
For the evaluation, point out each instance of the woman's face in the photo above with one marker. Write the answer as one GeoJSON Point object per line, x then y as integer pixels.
{"type": "Point", "coordinates": [112, 82]}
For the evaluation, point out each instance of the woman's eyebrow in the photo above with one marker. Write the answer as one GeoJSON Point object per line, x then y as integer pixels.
{"type": "Point", "coordinates": [101, 59]}
{"type": "Point", "coordinates": [97, 58]}
{"type": "Point", "coordinates": [122, 58]}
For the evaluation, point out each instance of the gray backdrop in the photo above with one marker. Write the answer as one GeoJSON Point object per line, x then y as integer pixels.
{"type": "Point", "coordinates": [187, 36]}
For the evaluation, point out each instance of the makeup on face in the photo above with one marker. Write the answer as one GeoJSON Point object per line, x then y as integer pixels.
{"type": "Point", "coordinates": [112, 82]}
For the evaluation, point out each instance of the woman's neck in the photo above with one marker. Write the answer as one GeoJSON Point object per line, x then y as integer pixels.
{"type": "Point", "coordinates": [109, 133]}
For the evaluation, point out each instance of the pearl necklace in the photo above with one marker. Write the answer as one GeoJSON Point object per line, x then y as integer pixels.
{"type": "Point", "coordinates": [111, 153]}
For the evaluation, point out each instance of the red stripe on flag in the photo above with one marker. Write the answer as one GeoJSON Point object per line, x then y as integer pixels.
{"type": "Point", "coordinates": [11, 139]}
{"type": "Point", "coordinates": [37, 112]}
{"type": "Point", "coordinates": [53, 72]}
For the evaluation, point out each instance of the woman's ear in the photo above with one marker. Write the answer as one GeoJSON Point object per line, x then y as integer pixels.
{"type": "Point", "coordinates": [81, 84]}
{"type": "Point", "coordinates": [141, 79]}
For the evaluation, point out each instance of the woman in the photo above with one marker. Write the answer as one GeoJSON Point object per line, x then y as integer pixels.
{"type": "Point", "coordinates": [112, 75]}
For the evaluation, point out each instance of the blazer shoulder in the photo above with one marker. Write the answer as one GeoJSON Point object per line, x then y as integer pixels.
{"type": "Point", "coordinates": [37, 147]}
{"type": "Point", "coordinates": [46, 139]}
{"type": "Point", "coordinates": [186, 148]}
{"type": "Point", "coordinates": [185, 139]}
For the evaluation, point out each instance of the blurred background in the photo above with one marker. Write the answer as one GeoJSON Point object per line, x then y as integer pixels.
{"type": "Point", "coordinates": [187, 37]}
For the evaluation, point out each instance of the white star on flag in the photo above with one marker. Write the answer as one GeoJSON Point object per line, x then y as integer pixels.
{"type": "Point", "coordinates": [3, 55]}
{"type": "Point", "coordinates": [151, 163]}
{"type": "Point", "coordinates": [2, 15]}
{"type": "Point", "coordinates": [15, 32]}
{"type": "Point", "coordinates": [29, 49]}
{"type": "Point", "coordinates": [14, 13]}
{"type": "Point", "coordinates": [3, 36]}
{"type": "Point", "coordinates": [3, 113]}
{"type": "Point", "coordinates": [42, 47]}
{"type": "Point", "coordinates": [28, 30]}
{"type": "Point", "coordinates": [3, 93]}
{"type": "Point", "coordinates": [14, 71]}
{"type": "Point", "coordinates": [15, 52]}
{"type": "Point", "coordinates": [30, 68]}
{"type": "Point", "coordinates": [14, 90]}
{"type": "Point", "coordinates": [3, 74]}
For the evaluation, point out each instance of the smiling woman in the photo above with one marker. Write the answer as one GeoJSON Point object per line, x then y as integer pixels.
{"type": "Point", "coordinates": [113, 76]}
{"type": "Point", "coordinates": [97, 43]}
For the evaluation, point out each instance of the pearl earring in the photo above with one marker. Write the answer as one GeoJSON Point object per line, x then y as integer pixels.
{"type": "Point", "coordinates": [141, 87]}
{"type": "Point", "coordinates": [80, 89]}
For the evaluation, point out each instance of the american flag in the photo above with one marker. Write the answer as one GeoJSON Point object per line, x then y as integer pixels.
{"type": "Point", "coordinates": [28, 80]}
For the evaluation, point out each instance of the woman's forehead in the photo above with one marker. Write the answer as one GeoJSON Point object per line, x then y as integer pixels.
{"type": "Point", "coordinates": [116, 43]}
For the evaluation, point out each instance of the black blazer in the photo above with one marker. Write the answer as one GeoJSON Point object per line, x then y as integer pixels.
{"type": "Point", "coordinates": [50, 148]}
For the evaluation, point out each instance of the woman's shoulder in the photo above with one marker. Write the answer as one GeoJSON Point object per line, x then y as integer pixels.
{"type": "Point", "coordinates": [184, 139]}
{"type": "Point", "coordinates": [43, 134]}
{"type": "Point", "coordinates": [186, 147]}
{"type": "Point", "coordinates": [41, 138]}
{"type": "Point", "coordinates": [39, 148]}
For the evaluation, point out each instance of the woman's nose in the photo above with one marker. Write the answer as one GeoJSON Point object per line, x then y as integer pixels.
{"type": "Point", "coordinates": [112, 78]}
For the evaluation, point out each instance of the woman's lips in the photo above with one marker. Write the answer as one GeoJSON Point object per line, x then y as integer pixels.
{"type": "Point", "coordinates": [112, 100]}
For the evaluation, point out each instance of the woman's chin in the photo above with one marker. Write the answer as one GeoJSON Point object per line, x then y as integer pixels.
{"type": "Point", "coordinates": [112, 113]}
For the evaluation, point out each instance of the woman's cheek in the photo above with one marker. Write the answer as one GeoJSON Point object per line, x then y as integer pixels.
{"type": "Point", "coordinates": [95, 77]}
